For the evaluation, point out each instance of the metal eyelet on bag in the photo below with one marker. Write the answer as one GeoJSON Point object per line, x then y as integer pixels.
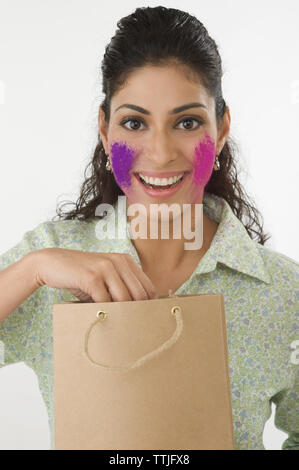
{"type": "Point", "coordinates": [175, 309]}
{"type": "Point", "coordinates": [100, 312]}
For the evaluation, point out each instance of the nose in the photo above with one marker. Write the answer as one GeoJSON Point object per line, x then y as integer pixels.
{"type": "Point", "coordinates": [161, 151]}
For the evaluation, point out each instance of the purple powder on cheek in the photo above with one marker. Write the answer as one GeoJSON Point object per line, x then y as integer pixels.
{"type": "Point", "coordinates": [122, 160]}
{"type": "Point", "coordinates": [203, 161]}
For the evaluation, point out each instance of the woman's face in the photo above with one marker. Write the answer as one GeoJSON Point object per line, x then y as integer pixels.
{"type": "Point", "coordinates": [162, 125]}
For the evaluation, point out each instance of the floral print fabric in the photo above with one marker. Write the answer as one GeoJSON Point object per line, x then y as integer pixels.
{"type": "Point", "coordinates": [261, 295]}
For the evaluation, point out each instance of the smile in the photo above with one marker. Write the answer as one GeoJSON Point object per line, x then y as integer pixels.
{"type": "Point", "coordinates": [160, 187]}
{"type": "Point", "coordinates": [160, 183]}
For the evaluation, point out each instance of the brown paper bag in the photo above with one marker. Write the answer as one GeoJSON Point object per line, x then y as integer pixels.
{"type": "Point", "coordinates": [149, 374]}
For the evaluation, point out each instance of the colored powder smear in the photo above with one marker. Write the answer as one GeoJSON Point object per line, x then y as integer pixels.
{"type": "Point", "coordinates": [122, 160]}
{"type": "Point", "coordinates": [203, 161]}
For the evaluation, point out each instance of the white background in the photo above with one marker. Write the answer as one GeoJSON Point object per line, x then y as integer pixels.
{"type": "Point", "coordinates": [50, 54]}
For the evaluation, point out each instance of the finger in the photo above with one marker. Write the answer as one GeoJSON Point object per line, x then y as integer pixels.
{"type": "Point", "coordinates": [83, 296]}
{"type": "Point", "coordinates": [135, 287]}
{"type": "Point", "coordinates": [98, 291]}
{"type": "Point", "coordinates": [94, 286]}
{"type": "Point", "coordinates": [115, 284]}
{"type": "Point", "coordinates": [143, 278]}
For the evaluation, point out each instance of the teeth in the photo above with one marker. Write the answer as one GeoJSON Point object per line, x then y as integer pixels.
{"type": "Point", "coordinates": [160, 181]}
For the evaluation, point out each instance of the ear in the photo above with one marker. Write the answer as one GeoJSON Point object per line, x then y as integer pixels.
{"type": "Point", "coordinates": [223, 130]}
{"type": "Point", "coordinates": [103, 129]}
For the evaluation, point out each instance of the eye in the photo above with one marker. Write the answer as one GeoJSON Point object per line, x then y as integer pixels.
{"type": "Point", "coordinates": [131, 119]}
{"type": "Point", "coordinates": [190, 119]}
{"type": "Point", "coordinates": [139, 120]}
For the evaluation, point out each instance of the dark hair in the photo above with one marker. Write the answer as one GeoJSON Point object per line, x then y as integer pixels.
{"type": "Point", "coordinates": [163, 36]}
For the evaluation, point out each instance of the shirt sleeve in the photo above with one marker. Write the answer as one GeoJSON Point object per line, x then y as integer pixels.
{"type": "Point", "coordinates": [19, 332]}
{"type": "Point", "coordinates": [287, 413]}
{"type": "Point", "coordinates": [287, 399]}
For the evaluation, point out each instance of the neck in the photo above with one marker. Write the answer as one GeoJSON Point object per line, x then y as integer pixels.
{"type": "Point", "coordinates": [154, 253]}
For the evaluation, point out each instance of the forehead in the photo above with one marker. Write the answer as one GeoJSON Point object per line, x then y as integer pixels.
{"type": "Point", "coordinates": [161, 87]}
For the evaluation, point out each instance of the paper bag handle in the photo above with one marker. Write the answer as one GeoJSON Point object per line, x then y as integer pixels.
{"type": "Point", "coordinates": [176, 311]}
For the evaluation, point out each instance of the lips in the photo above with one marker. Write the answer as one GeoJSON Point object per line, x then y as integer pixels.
{"type": "Point", "coordinates": [157, 183]}
{"type": "Point", "coordinates": [157, 192]}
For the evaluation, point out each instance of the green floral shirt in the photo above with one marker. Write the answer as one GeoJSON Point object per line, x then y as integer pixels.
{"type": "Point", "coordinates": [261, 295]}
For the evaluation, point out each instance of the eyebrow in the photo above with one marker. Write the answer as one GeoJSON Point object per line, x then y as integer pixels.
{"type": "Point", "coordinates": [173, 111]}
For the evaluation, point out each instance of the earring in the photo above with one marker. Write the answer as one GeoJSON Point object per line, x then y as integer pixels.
{"type": "Point", "coordinates": [108, 165]}
{"type": "Point", "coordinates": [217, 163]}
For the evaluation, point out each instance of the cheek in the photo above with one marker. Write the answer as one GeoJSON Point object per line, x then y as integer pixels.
{"type": "Point", "coordinates": [122, 161]}
{"type": "Point", "coordinates": [203, 160]}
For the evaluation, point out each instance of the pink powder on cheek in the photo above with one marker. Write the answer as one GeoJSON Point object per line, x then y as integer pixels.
{"type": "Point", "coordinates": [204, 155]}
{"type": "Point", "coordinates": [122, 160]}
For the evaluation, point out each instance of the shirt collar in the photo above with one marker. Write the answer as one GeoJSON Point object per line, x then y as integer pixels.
{"type": "Point", "coordinates": [231, 245]}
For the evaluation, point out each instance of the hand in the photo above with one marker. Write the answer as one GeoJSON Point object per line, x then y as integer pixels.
{"type": "Point", "coordinates": [93, 277]}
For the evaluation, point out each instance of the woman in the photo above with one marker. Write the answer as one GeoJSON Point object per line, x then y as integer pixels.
{"type": "Point", "coordinates": [162, 72]}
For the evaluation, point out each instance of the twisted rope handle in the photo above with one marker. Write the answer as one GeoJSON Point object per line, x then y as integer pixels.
{"type": "Point", "coordinates": [176, 311]}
